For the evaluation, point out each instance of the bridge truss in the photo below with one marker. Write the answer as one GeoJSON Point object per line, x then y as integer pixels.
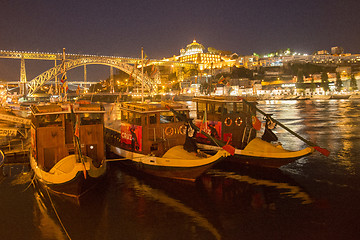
{"type": "Point", "coordinates": [35, 84]}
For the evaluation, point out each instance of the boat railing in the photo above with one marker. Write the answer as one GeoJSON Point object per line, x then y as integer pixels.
{"type": "Point", "coordinates": [15, 145]}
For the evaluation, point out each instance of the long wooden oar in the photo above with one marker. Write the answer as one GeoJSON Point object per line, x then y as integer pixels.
{"type": "Point", "coordinates": [230, 149]}
{"type": "Point", "coordinates": [316, 147]}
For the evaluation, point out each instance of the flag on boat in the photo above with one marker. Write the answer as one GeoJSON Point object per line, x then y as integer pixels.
{"type": "Point", "coordinates": [256, 123]}
{"type": "Point", "coordinates": [221, 80]}
{"type": "Point", "coordinates": [65, 87]}
{"type": "Point", "coordinates": [77, 127]}
{"type": "Point", "coordinates": [63, 78]}
{"type": "Point", "coordinates": [147, 62]}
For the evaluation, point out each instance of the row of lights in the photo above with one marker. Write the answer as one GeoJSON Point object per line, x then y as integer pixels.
{"type": "Point", "coordinates": [70, 54]}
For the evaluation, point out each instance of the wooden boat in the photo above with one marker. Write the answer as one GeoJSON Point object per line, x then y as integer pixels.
{"type": "Point", "coordinates": [151, 138]}
{"type": "Point", "coordinates": [320, 97]}
{"type": "Point", "coordinates": [14, 132]}
{"type": "Point", "coordinates": [232, 120]}
{"type": "Point", "coordinates": [340, 96]}
{"type": "Point", "coordinates": [12, 126]}
{"type": "Point", "coordinates": [67, 147]}
{"type": "Point", "coordinates": [355, 95]}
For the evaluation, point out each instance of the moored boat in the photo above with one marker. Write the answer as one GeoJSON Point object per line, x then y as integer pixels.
{"type": "Point", "coordinates": [320, 97]}
{"type": "Point", "coordinates": [153, 140]}
{"type": "Point", "coordinates": [234, 120]}
{"type": "Point", "coordinates": [355, 95]}
{"type": "Point", "coordinates": [14, 132]}
{"type": "Point", "coordinates": [340, 96]}
{"type": "Point", "coordinates": [67, 147]}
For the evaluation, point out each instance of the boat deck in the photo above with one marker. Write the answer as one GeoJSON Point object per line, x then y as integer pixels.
{"type": "Point", "coordinates": [178, 152]}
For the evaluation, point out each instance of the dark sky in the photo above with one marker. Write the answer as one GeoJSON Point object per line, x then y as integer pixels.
{"type": "Point", "coordinates": [118, 27]}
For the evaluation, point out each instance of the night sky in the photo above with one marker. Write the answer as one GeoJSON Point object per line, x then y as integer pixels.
{"type": "Point", "coordinates": [121, 28]}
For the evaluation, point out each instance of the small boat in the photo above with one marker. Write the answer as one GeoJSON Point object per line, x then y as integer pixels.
{"type": "Point", "coordinates": [67, 147]}
{"type": "Point", "coordinates": [320, 97]}
{"type": "Point", "coordinates": [14, 132]}
{"type": "Point", "coordinates": [340, 96]}
{"type": "Point", "coordinates": [234, 120]}
{"type": "Point", "coordinates": [152, 139]}
{"type": "Point", "coordinates": [355, 95]}
{"type": "Point", "coordinates": [264, 154]}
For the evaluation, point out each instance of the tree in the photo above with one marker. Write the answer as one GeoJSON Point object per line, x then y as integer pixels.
{"type": "Point", "coordinates": [241, 73]}
{"type": "Point", "coordinates": [300, 79]}
{"type": "Point", "coordinates": [312, 85]}
{"type": "Point", "coordinates": [325, 81]}
{"type": "Point", "coordinates": [353, 83]}
{"type": "Point", "coordinates": [338, 83]}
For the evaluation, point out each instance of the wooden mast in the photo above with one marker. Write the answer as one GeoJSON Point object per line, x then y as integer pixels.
{"type": "Point", "coordinates": [142, 75]}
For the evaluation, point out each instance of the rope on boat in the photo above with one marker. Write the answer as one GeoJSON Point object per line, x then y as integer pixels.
{"type": "Point", "coordinates": [121, 159]}
{"type": "Point", "coordinates": [31, 182]}
{"type": "Point", "coordinates": [56, 213]}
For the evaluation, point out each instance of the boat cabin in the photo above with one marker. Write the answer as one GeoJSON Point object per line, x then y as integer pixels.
{"type": "Point", "coordinates": [227, 119]}
{"type": "Point", "coordinates": [54, 127]}
{"type": "Point", "coordinates": [148, 128]}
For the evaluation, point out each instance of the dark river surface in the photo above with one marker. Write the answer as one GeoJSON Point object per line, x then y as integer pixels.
{"type": "Point", "coordinates": [316, 197]}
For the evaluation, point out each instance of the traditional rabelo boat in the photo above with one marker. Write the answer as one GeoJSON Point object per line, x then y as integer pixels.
{"type": "Point", "coordinates": [68, 150]}
{"type": "Point", "coordinates": [233, 120]}
{"type": "Point", "coordinates": [152, 139]}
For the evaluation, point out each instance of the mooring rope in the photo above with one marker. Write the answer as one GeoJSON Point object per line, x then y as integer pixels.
{"type": "Point", "coordinates": [56, 213]}
{"type": "Point", "coordinates": [31, 182]}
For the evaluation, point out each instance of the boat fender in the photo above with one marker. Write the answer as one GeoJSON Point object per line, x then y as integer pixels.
{"type": "Point", "coordinates": [169, 131]}
{"type": "Point", "coordinates": [182, 130]}
{"type": "Point", "coordinates": [238, 121]}
{"type": "Point", "coordinates": [228, 121]}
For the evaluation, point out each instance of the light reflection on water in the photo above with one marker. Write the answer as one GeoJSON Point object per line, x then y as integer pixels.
{"type": "Point", "coordinates": [287, 189]}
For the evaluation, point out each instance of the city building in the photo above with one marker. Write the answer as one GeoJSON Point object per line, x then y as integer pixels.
{"type": "Point", "coordinates": [337, 50]}
{"type": "Point", "coordinates": [195, 53]}
{"type": "Point", "coordinates": [211, 62]}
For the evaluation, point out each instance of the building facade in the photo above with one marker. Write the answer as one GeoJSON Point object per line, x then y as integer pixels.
{"type": "Point", "coordinates": [195, 53]}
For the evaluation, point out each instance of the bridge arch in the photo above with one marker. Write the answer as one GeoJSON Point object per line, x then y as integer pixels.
{"type": "Point", "coordinates": [35, 84]}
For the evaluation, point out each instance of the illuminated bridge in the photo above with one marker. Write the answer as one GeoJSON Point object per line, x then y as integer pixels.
{"type": "Point", "coordinates": [72, 61]}
{"type": "Point", "coordinates": [125, 64]}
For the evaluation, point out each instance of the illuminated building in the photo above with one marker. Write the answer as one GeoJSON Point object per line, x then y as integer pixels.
{"type": "Point", "coordinates": [194, 52]}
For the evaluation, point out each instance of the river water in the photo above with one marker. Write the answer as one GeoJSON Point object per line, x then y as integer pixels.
{"type": "Point", "coordinates": [316, 197]}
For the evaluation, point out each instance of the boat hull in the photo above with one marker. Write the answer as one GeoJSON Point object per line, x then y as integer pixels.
{"type": "Point", "coordinates": [263, 154]}
{"type": "Point", "coordinates": [340, 96]}
{"type": "Point", "coordinates": [68, 178]}
{"type": "Point", "coordinates": [169, 166]}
